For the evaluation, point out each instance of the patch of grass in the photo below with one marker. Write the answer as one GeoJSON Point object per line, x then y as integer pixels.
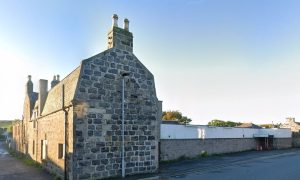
{"type": "Point", "coordinates": [5, 124]}
{"type": "Point", "coordinates": [204, 154]}
{"type": "Point", "coordinates": [25, 159]}
{"type": "Point", "coordinates": [30, 162]}
{"type": "Point", "coordinates": [2, 137]}
{"type": "Point", "coordinates": [55, 175]}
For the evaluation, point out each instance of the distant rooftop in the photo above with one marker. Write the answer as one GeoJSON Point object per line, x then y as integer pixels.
{"type": "Point", "coordinates": [169, 122]}
{"type": "Point", "coordinates": [249, 125]}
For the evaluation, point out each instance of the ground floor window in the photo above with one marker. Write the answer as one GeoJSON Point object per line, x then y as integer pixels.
{"type": "Point", "coordinates": [33, 147]}
{"type": "Point", "coordinates": [61, 151]}
{"type": "Point", "coordinates": [44, 149]}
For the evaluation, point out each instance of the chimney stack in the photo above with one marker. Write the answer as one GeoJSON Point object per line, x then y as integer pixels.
{"type": "Point", "coordinates": [55, 81]}
{"type": "Point", "coordinates": [43, 92]}
{"type": "Point", "coordinates": [29, 85]}
{"type": "Point", "coordinates": [120, 38]}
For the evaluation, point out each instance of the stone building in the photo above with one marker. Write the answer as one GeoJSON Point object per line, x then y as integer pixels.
{"type": "Point", "coordinates": [292, 124]}
{"type": "Point", "coordinates": [75, 127]}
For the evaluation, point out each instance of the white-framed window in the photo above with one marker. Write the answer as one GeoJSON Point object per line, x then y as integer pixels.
{"type": "Point", "coordinates": [44, 148]}
{"type": "Point", "coordinates": [61, 151]}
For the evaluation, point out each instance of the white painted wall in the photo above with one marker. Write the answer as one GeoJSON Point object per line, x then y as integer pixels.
{"type": "Point", "coordinates": [171, 131]}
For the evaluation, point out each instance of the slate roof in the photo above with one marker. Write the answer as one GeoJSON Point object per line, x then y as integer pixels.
{"type": "Point", "coordinates": [33, 96]}
{"type": "Point", "coordinates": [54, 97]}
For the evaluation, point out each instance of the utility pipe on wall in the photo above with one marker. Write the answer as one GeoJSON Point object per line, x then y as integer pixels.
{"type": "Point", "coordinates": [65, 131]}
{"type": "Point", "coordinates": [123, 126]}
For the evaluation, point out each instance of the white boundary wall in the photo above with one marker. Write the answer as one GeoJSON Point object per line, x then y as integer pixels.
{"type": "Point", "coordinates": [171, 131]}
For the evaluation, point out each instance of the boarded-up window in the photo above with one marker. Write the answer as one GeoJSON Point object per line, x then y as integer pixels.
{"type": "Point", "coordinates": [61, 151]}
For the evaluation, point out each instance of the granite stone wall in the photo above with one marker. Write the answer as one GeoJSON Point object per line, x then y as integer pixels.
{"type": "Point", "coordinates": [98, 125]}
{"type": "Point", "coordinates": [282, 143]}
{"type": "Point", "coordinates": [51, 128]}
{"type": "Point", "coordinates": [89, 99]}
{"type": "Point", "coordinates": [17, 136]}
{"type": "Point", "coordinates": [49, 125]}
{"type": "Point", "coordinates": [296, 139]}
{"type": "Point", "coordinates": [296, 142]}
{"type": "Point", "coordinates": [171, 149]}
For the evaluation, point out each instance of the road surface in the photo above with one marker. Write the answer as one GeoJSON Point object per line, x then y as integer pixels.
{"type": "Point", "coordinates": [254, 165]}
{"type": "Point", "coordinates": [13, 169]}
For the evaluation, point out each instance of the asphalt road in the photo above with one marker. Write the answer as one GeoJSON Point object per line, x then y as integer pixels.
{"type": "Point", "coordinates": [254, 165]}
{"type": "Point", "coordinates": [13, 169]}
{"type": "Point", "coordinates": [263, 165]}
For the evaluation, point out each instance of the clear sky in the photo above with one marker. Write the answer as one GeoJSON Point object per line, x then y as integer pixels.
{"type": "Point", "coordinates": [227, 59]}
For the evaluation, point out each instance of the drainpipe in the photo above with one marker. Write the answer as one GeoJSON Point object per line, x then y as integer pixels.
{"type": "Point", "coordinates": [123, 119]}
{"type": "Point", "coordinates": [36, 139]}
{"type": "Point", "coordinates": [65, 131]}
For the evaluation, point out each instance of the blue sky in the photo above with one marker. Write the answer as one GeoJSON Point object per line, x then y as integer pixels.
{"type": "Point", "coordinates": [226, 59]}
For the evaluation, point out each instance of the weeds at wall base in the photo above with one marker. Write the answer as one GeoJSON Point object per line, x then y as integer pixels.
{"type": "Point", "coordinates": [182, 158]}
{"type": "Point", "coordinates": [25, 159]}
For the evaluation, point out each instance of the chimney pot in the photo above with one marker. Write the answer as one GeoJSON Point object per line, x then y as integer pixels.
{"type": "Point", "coordinates": [29, 85]}
{"type": "Point", "coordinates": [126, 24]}
{"type": "Point", "coordinates": [43, 92]}
{"type": "Point", "coordinates": [55, 81]}
{"type": "Point", "coordinates": [115, 20]}
{"type": "Point", "coordinates": [120, 38]}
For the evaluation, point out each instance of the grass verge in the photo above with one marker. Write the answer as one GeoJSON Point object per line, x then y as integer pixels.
{"type": "Point", "coordinates": [25, 159]}
{"type": "Point", "coordinates": [30, 162]}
